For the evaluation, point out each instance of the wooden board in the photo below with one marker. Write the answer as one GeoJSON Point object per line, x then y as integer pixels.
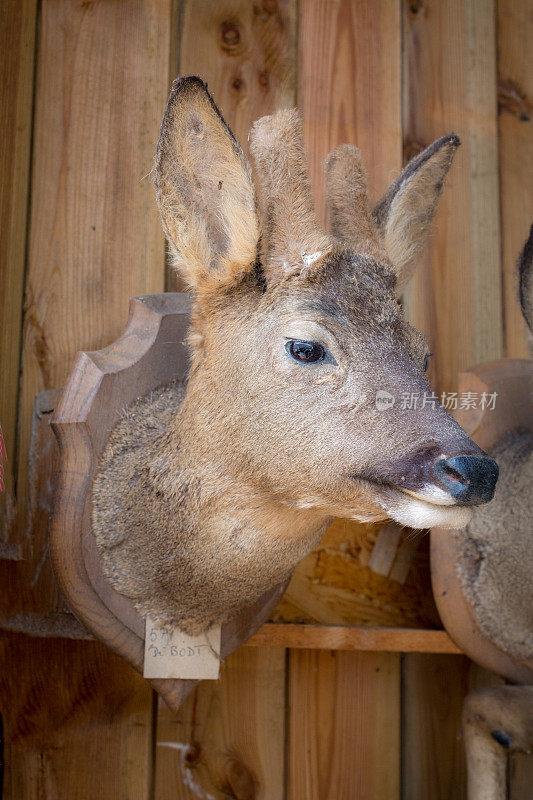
{"type": "Point", "coordinates": [344, 717]}
{"type": "Point", "coordinates": [344, 707]}
{"type": "Point", "coordinates": [17, 55]}
{"type": "Point", "coordinates": [433, 759]}
{"type": "Point", "coordinates": [449, 84]}
{"type": "Point", "coordinates": [329, 637]}
{"type": "Point", "coordinates": [94, 241]}
{"type": "Point", "coordinates": [92, 734]}
{"type": "Point", "coordinates": [349, 86]}
{"type": "Point", "coordinates": [30, 601]}
{"type": "Point", "coordinates": [449, 68]}
{"type": "Point", "coordinates": [515, 96]}
{"type": "Point", "coordinates": [229, 738]}
{"type": "Point", "coordinates": [336, 585]}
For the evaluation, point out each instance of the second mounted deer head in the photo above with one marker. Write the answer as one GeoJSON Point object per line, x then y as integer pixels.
{"type": "Point", "coordinates": [210, 493]}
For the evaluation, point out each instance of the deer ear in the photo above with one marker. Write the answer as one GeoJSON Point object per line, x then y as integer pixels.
{"type": "Point", "coordinates": [404, 214]}
{"type": "Point", "coordinates": [204, 190]}
{"type": "Point", "coordinates": [525, 273]}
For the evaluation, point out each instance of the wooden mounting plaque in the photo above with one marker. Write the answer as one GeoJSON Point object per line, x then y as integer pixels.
{"type": "Point", "coordinates": [150, 353]}
{"type": "Point", "coordinates": [512, 380]}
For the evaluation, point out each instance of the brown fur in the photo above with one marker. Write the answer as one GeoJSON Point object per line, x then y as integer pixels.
{"type": "Point", "coordinates": [405, 214]}
{"type": "Point", "coordinates": [291, 241]}
{"type": "Point", "coordinates": [210, 495]}
{"type": "Point", "coordinates": [349, 205]}
{"type": "Point", "coordinates": [497, 559]}
{"type": "Point", "coordinates": [211, 227]}
{"type": "Point", "coordinates": [159, 552]}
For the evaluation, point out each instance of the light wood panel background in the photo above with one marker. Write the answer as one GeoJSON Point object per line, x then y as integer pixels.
{"type": "Point", "coordinates": [83, 91]}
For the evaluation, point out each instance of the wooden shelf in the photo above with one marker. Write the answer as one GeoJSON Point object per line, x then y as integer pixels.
{"type": "Point", "coordinates": [329, 637]}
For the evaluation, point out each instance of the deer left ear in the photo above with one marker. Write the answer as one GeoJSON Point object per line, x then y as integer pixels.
{"type": "Point", "coordinates": [204, 191]}
{"type": "Point", "coordinates": [404, 214]}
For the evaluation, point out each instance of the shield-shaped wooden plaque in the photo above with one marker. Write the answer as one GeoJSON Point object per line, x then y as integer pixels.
{"type": "Point", "coordinates": [512, 381]}
{"type": "Point", "coordinates": [150, 353]}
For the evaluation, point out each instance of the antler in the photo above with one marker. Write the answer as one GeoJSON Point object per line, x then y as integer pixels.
{"type": "Point", "coordinates": [347, 193]}
{"type": "Point", "coordinates": [291, 239]}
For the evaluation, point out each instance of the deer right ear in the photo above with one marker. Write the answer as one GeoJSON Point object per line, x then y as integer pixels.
{"type": "Point", "coordinates": [404, 214]}
{"type": "Point", "coordinates": [204, 190]}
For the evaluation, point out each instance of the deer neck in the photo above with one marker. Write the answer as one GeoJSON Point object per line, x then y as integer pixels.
{"type": "Point", "coordinates": [227, 505]}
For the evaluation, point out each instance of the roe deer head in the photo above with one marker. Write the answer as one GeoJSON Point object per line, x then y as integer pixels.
{"type": "Point", "coordinates": [293, 334]}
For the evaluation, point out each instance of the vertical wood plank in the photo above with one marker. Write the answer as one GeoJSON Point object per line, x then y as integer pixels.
{"type": "Point", "coordinates": [433, 691]}
{"type": "Point", "coordinates": [344, 726]}
{"type": "Point", "coordinates": [349, 86]}
{"type": "Point", "coordinates": [17, 55]}
{"type": "Point", "coordinates": [520, 776]}
{"type": "Point", "coordinates": [449, 69]}
{"type": "Point", "coordinates": [78, 720]}
{"type": "Point", "coordinates": [246, 53]}
{"type": "Point", "coordinates": [455, 299]}
{"type": "Point", "coordinates": [103, 752]}
{"type": "Point", "coordinates": [229, 738]}
{"type": "Point", "coordinates": [515, 79]}
{"type": "Point", "coordinates": [344, 717]}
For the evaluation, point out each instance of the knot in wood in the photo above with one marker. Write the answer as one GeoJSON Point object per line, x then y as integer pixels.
{"type": "Point", "coordinates": [240, 780]}
{"type": "Point", "coordinates": [231, 35]}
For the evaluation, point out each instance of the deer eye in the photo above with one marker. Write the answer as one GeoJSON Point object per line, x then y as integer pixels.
{"type": "Point", "coordinates": [305, 352]}
{"type": "Point", "coordinates": [426, 361]}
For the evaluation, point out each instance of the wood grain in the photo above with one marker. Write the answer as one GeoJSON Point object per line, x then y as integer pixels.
{"type": "Point", "coordinates": [336, 585]}
{"type": "Point", "coordinates": [247, 54]}
{"type": "Point", "coordinates": [104, 754]}
{"type": "Point", "coordinates": [30, 601]}
{"type": "Point", "coordinates": [330, 637]}
{"type": "Point", "coordinates": [455, 299]}
{"type": "Point", "coordinates": [17, 56]}
{"type": "Point", "coordinates": [94, 241]}
{"type": "Point", "coordinates": [349, 86]}
{"type": "Point", "coordinates": [433, 760]}
{"type": "Point", "coordinates": [449, 68]}
{"type": "Point", "coordinates": [515, 94]}
{"type": "Point", "coordinates": [348, 91]}
{"type": "Point", "coordinates": [344, 726]}
{"type": "Point", "coordinates": [229, 738]}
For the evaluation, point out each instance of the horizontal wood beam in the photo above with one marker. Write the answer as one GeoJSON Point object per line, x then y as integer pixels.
{"type": "Point", "coordinates": [329, 637]}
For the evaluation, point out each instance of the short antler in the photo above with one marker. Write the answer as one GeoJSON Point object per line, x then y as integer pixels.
{"type": "Point", "coordinates": [349, 206]}
{"type": "Point", "coordinates": [291, 240]}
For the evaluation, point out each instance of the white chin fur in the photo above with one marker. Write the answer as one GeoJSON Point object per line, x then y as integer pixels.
{"type": "Point", "coordinates": [415, 513]}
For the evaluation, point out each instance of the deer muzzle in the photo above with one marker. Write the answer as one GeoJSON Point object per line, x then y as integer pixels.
{"type": "Point", "coordinates": [470, 480]}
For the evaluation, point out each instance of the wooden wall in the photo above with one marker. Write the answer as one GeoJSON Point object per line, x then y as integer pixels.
{"type": "Point", "coordinates": [84, 87]}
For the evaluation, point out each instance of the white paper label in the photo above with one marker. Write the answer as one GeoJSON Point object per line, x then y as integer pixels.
{"type": "Point", "coordinates": [174, 654]}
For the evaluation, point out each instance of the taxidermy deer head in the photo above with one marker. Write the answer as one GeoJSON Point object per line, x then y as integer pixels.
{"type": "Point", "coordinates": [211, 493]}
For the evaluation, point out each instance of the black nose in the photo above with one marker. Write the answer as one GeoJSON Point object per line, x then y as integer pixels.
{"type": "Point", "coordinates": [470, 480]}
